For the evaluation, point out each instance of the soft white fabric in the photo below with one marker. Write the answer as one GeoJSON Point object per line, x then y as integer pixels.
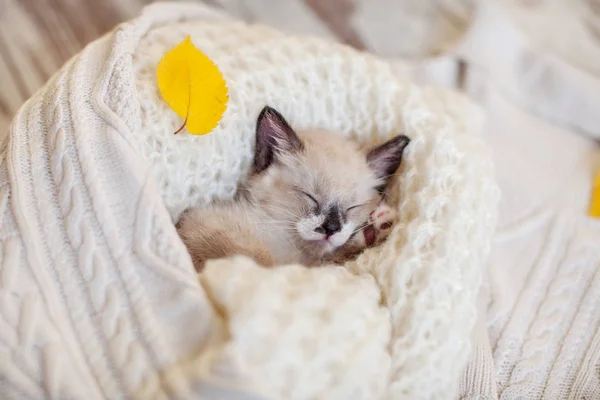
{"type": "Point", "coordinates": [263, 66]}
{"type": "Point", "coordinates": [99, 298]}
{"type": "Point", "coordinates": [478, 381]}
{"type": "Point", "coordinates": [519, 49]}
{"type": "Point", "coordinates": [533, 67]}
{"type": "Point", "coordinates": [544, 272]}
{"type": "Point", "coordinates": [411, 28]}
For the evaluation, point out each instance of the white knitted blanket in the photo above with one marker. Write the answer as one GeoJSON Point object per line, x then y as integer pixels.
{"type": "Point", "coordinates": [98, 298]}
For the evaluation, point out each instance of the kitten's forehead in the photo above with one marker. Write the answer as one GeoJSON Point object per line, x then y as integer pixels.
{"type": "Point", "coordinates": [337, 164]}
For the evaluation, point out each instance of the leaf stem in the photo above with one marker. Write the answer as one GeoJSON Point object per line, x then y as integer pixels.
{"type": "Point", "coordinates": [189, 98]}
{"type": "Point", "coordinates": [182, 126]}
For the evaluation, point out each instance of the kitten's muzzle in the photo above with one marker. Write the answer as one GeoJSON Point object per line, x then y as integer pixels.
{"type": "Point", "coordinates": [332, 223]}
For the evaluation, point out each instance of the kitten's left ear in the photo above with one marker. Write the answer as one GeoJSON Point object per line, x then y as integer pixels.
{"type": "Point", "coordinates": [274, 136]}
{"type": "Point", "coordinates": [385, 159]}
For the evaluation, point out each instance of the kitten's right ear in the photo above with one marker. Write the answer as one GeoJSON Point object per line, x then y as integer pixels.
{"type": "Point", "coordinates": [274, 136]}
{"type": "Point", "coordinates": [385, 159]}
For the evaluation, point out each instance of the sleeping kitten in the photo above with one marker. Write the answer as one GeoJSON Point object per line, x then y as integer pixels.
{"type": "Point", "coordinates": [312, 197]}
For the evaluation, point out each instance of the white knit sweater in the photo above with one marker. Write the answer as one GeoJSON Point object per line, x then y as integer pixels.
{"type": "Point", "coordinates": [543, 314]}
{"type": "Point", "coordinates": [99, 298]}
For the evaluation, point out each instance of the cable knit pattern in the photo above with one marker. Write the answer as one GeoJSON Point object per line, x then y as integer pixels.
{"type": "Point", "coordinates": [544, 287]}
{"type": "Point", "coordinates": [107, 304]}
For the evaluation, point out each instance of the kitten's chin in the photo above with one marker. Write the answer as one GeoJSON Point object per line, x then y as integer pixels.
{"type": "Point", "coordinates": [328, 246]}
{"type": "Point", "coordinates": [321, 247]}
{"type": "Point", "coordinates": [324, 246]}
{"type": "Point", "coordinates": [318, 245]}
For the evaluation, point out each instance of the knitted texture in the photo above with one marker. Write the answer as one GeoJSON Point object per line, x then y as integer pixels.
{"type": "Point", "coordinates": [107, 304]}
{"type": "Point", "coordinates": [543, 317]}
{"type": "Point", "coordinates": [427, 273]}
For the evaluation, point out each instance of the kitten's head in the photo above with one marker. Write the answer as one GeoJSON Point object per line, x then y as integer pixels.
{"type": "Point", "coordinates": [318, 185]}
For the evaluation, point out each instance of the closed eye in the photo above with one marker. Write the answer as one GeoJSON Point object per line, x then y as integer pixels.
{"type": "Point", "coordinates": [310, 197]}
{"type": "Point", "coordinates": [353, 207]}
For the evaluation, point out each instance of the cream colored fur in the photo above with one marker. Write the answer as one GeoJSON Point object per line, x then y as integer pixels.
{"type": "Point", "coordinates": [276, 216]}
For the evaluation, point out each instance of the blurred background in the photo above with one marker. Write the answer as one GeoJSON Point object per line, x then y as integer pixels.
{"type": "Point", "coordinates": [38, 36]}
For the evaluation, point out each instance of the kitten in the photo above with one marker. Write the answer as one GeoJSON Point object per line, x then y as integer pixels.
{"type": "Point", "coordinates": [312, 197]}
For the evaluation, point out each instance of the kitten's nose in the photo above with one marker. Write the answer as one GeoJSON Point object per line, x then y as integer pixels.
{"type": "Point", "coordinates": [331, 225]}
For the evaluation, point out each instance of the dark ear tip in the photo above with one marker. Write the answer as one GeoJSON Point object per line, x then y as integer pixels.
{"type": "Point", "coordinates": [268, 111]}
{"type": "Point", "coordinates": [183, 216]}
{"type": "Point", "coordinates": [263, 112]}
{"type": "Point", "coordinates": [402, 140]}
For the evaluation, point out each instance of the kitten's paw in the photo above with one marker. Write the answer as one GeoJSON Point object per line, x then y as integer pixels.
{"type": "Point", "coordinates": [382, 219]}
{"type": "Point", "coordinates": [378, 227]}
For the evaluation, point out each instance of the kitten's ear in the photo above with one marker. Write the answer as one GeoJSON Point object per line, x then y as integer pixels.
{"type": "Point", "coordinates": [385, 158]}
{"type": "Point", "coordinates": [274, 136]}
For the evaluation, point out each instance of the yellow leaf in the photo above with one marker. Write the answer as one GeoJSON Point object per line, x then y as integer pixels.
{"type": "Point", "coordinates": [192, 85]}
{"type": "Point", "coordinates": [595, 203]}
